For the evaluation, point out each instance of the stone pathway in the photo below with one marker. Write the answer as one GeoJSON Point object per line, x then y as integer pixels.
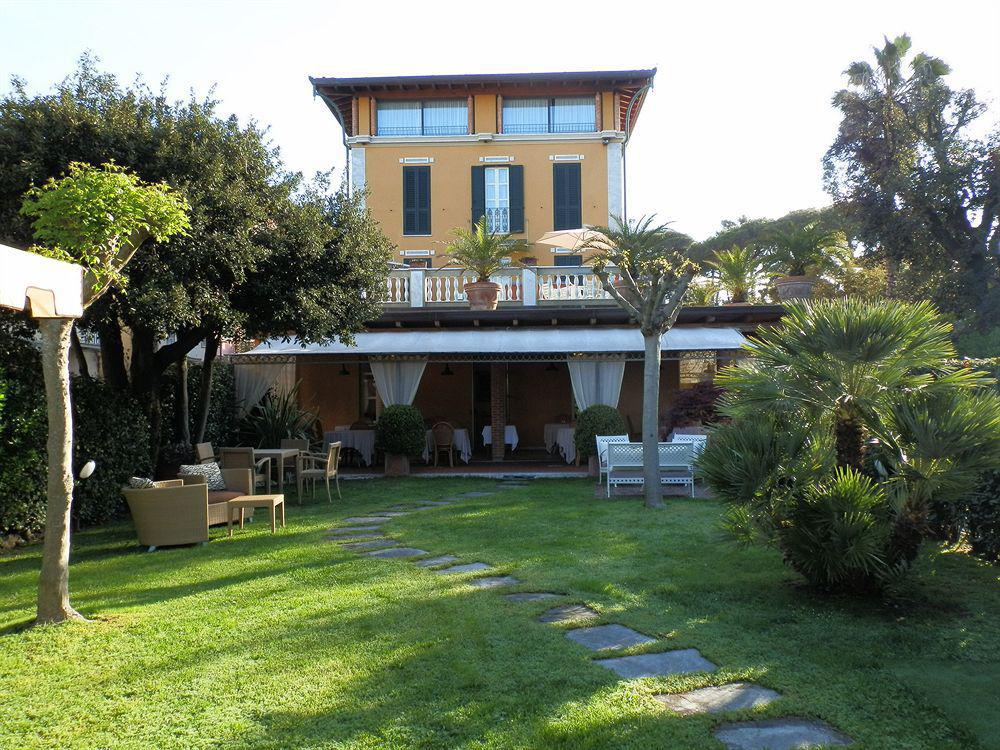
{"type": "Point", "coordinates": [771, 734]}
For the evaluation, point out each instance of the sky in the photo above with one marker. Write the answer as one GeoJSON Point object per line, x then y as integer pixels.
{"type": "Point", "coordinates": [737, 122]}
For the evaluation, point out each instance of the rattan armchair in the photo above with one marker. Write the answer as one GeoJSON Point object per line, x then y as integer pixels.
{"type": "Point", "coordinates": [444, 440]}
{"type": "Point", "coordinates": [313, 466]}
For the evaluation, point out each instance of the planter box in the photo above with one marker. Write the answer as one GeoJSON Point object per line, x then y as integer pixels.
{"type": "Point", "coordinates": [396, 465]}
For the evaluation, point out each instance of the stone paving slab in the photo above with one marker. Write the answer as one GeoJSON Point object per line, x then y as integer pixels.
{"type": "Point", "coordinates": [479, 494]}
{"type": "Point", "coordinates": [398, 552]}
{"type": "Point", "coordinates": [367, 519]}
{"type": "Point", "coordinates": [614, 636]}
{"type": "Point", "coordinates": [435, 503]}
{"type": "Point", "coordinates": [567, 612]}
{"type": "Point", "coordinates": [492, 582]}
{"type": "Point", "coordinates": [531, 596]}
{"type": "Point", "coordinates": [336, 530]}
{"type": "Point", "coordinates": [712, 700]}
{"type": "Point", "coordinates": [432, 561]}
{"type": "Point", "coordinates": [779, 734]}
{"type": "Point", "coordinates": [465, 568]}
{"type": "Point", "coordinates": [350, 537]}
{"type": "Point", "coordinates": [372, 544]}
{"type": "Point", "coordinates": [662, 664]}
{"type": "Point", "coordinates": [394, 513]}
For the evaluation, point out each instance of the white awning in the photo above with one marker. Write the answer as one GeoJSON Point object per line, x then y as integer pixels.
{"type": "Point", "coordinates": [505, 341]}
{"type": "Point", "coordinates": [52, 288]}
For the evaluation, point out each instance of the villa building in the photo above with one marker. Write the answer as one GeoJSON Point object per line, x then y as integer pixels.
{"type": "Point", "coordinates": [533, 153]}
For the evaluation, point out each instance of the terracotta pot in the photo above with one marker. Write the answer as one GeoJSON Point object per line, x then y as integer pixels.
{"type": "Point", "coordinates": [483, 295]}
{"type": "Point", "coordinates": [794, 287]}
{"type": "Point", "coordinates": [397, 465]}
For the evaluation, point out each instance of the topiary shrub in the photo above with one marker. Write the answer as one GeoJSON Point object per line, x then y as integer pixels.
{"type": "Point", "coordinates": [694, 406]}
{"type": "Point", "coordinates": [982, 518]}
{"type": "Point", "coordinates": [400, 431]}
{"type": "Point", "coordinates": [595, 420]}
{"type": "Point", "coordinates": [109, 427]}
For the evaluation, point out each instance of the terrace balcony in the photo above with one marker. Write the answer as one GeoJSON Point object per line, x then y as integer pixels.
{"type": "Point", "coordinates": [520, 286]}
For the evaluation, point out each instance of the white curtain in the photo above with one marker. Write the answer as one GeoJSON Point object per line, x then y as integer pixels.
{"type": "Point", "coordinates": [396, 382]}
{"type": "Point", "coordinates": [525, 115]}
{"type": "Point", "coordinates": [255, 380]}
{"type": "Point", "coordinates": [596, 381]}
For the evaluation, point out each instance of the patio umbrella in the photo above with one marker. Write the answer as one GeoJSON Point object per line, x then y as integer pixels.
{"type": "Point", "coordinates": [572, 239]}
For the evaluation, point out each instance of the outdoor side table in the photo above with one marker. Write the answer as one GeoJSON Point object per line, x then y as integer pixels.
{"type": "Point", "coordinates": [257, 501]}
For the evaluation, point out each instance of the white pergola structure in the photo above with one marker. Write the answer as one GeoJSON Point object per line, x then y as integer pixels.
{"type": "Point", "coordinates": [45, 287]}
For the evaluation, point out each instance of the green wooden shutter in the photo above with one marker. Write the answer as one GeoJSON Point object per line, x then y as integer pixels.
{"type": "Point", "coordinates": [516, 191]}
{"type": "Point", "coordinates": [566, 196]}
{"type": "Point", "coordinates": [416, 200]}
{"type": "Point", "coordinates": [478, 193]}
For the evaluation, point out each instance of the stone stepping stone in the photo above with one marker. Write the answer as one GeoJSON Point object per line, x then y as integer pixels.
{"type": "Point", "coordinates": [372, 544]}
{"type": "Point", "coordinates": [436, 503]}
{"type": "Point", "coordinates": [662, 664]}
{"type": "Point", "coordinates": [431, 562]}
{"type": "Point", "coordinates": [367, 519]}
{"type": "Point", "coordinates": [337, 530]}
{"type": "Point", "coordinates": [712, 700]}
{"type": "Point", "coordinates": [531, 596]}
{"type": "Point", "coordinates": [349, 537]}
{"type": "Point", "coordinates": [478, 494]}
{"type": "Point", "coordinates": [779, 734]}
{"type": "Point", "coordinates": [465, 568]}
{"type": "Point", "coordinates": [398, 552]}
{"type": "Point", "coordinates": [601, 637]}
{"type": "Point", "coordinates": [566, 613]}
{"type": "Point", "coordinates": [394, 513]}
{"type": "Point", "coordinates": [492, 582]}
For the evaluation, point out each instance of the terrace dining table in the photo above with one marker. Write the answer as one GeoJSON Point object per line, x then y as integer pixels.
{"type": "Point", "coordinates": [363, 441]}
{"type": "Point", "coordinates": [461, 442]}
{"type": "Point", "coordinates": [278, 456]}
{"type": "Point", "coordinates": [510, 436]}
{"type": "Point", "coordinates": [550, 431]}
{"type": "Point", "coordinates": [566, 442]}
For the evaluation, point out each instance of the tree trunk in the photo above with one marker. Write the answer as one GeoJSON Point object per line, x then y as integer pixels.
{"type": "Point", "coordinates": [849, 437]}
{"type": "Point", "coordinates": [145, 377]}
{"type": "Point", "coordinates": [53, 584]}
{"type": "Point", "coordinates": [182, 410]}
{"type": "Point", "coordinates": [81, 357]}
{"type": "Point", "coordinates": [205, 386]}
{"type": "Point", "coordinates": [112, 355]}
{"type": "Point", "coordinates": [651, 421]}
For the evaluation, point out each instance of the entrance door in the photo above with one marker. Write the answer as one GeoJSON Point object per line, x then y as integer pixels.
{"type": "Point", "coordinates": [482, 410]}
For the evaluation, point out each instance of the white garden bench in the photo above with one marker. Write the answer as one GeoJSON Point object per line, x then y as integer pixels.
{"type": "Point", "coordinates": [698, 442]}
{"type": "Point", "coordinates": [603, 441]}
{"type": "Point", "coordinates": [676, 464]}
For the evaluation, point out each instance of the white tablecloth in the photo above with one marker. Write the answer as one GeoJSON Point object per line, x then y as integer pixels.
{"type": "Point", "coordinates": [565, 439]}
{"type": "Point", "coordinates": [509, 436]}
{"type": "Point", "coordinates": [363, 441]}
{"type": "Point", "coordinates": [462, 444]}
{"type": "Point", "coordinates": [550, 430]}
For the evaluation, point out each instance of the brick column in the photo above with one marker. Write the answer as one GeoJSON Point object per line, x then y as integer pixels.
{"type": "Point", "coordinates": [498, 407]}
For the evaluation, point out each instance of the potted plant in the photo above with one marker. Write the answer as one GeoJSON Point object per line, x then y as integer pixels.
{"type": "Point", "coordinates": [400, 433]}
{"type": "Point", "coordinates": [482, 253]}
{"type": "Point", "coordinates": [805, 253]}
{"type": "Point", "coordinates": [739, 271]}
{"type": "Point", "coordinates": [595, 420]}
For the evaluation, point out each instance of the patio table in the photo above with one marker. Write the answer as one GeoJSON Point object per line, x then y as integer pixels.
{"type": "Point", "coordinates": [278, 456]}
{"type": "Point", "coordinates": [509, 436]}
{"type": "Point", "coordinates": [363, 441]}
{"type": "Point", "coordinates": [461, 440]}
{"type": "Point", "coordinates": [551, 429]}
{"type": "Point", "coordinates": [566, 440]}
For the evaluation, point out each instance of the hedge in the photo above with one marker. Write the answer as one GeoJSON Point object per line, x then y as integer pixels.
{"type": "Point", "coordinates": [595, 420]}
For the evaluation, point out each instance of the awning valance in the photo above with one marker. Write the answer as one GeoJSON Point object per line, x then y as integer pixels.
{"type": "Point", "coordinates": [508, 341]}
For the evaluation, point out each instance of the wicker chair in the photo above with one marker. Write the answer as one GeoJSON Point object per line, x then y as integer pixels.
{"type": "Point", "coordinates": [204, 453]}
{"type": "Point", "coordinates": [243, 458]}
{"type": "Point", "coordinates": [179, 511]}
{"type": "Point", "coordinates": [313, 466]}
{"type": "Point", "coordinates": [444, 440]}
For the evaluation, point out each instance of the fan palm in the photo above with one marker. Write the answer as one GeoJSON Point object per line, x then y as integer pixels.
{"type": "Point", "coordinates": [808, 250]}
{"type": "Point", "coordinates": [739, 271]}
{"type": "Point", "coordinates": [481, 251]}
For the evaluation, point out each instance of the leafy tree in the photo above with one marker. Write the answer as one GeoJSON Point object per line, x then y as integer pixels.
{"type": "Point", "coordinates": [97, 218]}
{"type": "Point", "coordinates": [921, 191]}
{"type": "Point", "coordinates": [646, 269]}
{"type": "Point", "coordinates": [265, 253]}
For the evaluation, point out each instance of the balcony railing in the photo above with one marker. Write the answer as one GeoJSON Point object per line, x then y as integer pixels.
{"type": "Point", "coordinates": [519, 285]}
{"type": "Point", "coordinates": [498, 220]}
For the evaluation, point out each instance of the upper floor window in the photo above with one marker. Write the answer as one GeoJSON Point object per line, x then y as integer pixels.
{"type": "Point", "coordinates": [567, 114]}
{"type": "Point", "coordinates": [432, 117]}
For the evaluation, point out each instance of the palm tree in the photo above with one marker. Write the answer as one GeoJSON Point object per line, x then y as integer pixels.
{"type": "Point", "coordinates": [646, 268]}
{"type": "Point", "coordinates": [481, 251]}
{"type": "Point", "coordinates": [739, 270]}
{"type": "Point", "coordinates": [807, 250]}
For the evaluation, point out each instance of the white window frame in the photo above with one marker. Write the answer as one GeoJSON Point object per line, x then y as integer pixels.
{"type": "Point", "coordinates": [498, 182]}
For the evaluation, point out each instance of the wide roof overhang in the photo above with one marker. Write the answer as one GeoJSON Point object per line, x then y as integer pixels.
{"type": "Point", "coordinates": [501, 344]}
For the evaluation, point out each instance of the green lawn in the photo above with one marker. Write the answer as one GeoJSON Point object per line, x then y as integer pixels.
{"type": "Point", "coordinates": [286, 641]}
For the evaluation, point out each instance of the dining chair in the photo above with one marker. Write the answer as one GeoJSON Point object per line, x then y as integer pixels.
{"type": "Point", "coordinates": [204, 453]}
{"type": "Point", "coordinates": [318, 466]}
{"type": "Point", "coordinates": [299, 444]}
{"type": "Point", "coordinates": [243, 458]}
{"type": "Point", "coordinates": [444, 440]}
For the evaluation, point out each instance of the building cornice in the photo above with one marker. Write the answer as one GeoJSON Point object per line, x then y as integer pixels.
{"type": "Point", "coordinates": [604, 136]}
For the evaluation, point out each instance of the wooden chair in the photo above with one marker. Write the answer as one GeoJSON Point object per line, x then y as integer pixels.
{"type": "Point", "coordinates": [243, 458]}
{"type": "Point", "coordinates": [204, 453]}
{"type": "Point", "coordinates": [315, 466]}
{"type": "Point", "coordinates": [302, 446]}
{"type": "Point", "coordinates": [444, 440]}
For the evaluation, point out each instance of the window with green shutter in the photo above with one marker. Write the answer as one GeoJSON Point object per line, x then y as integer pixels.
{"type": "Point", "coordinates": [498, 194]}
{"type": "Point", "coordinates": [567, 210]}
{"type": "Point", "coordinates": [416, 200]}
